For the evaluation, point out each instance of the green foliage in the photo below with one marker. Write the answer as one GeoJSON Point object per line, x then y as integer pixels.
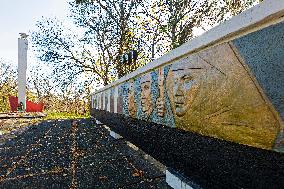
{"type": "Point", "coordinates": [8, 84]}
{"type": "Point", "coordinates": [110, 29]}
{"type": "Point", "coordinates": [113, 27]}
{"type": "Point", "coordinates": [68, 58]}
{"type": "Point", "coordinates": [167, 24]}
{"type": "Point", "coordinates": [73, 100]}
{"type": "Point", "coordinates": [65, 115]}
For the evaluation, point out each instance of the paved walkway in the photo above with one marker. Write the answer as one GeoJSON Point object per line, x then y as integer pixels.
{"type": "Point", "coordinates": [73, 154]}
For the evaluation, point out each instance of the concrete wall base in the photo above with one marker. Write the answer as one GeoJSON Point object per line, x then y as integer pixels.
{"type": "Point", "coordinates": [98, 122]}
{"type": "Point", "coordinates": [177, 181]}
{"type": "Point", "coordinates": [115, 135]}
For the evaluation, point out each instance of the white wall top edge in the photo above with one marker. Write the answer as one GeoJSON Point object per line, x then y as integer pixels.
{"type": "Point", "coordinates": [255, 18]}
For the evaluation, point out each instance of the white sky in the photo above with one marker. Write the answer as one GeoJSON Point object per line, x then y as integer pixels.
{"type": "Point", "coordinates": [20, 16]}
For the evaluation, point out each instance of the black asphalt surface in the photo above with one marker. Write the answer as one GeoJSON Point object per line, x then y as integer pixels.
{"type": "Point", "coordinates": [73, 154]}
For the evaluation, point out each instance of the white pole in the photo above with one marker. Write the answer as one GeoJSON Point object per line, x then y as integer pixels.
{"type": "Point", "coordinates": [22, 69]}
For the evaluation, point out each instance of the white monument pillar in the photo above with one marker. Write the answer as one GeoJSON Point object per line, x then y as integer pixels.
{"type": "Point", "coordinates": [22, 69]}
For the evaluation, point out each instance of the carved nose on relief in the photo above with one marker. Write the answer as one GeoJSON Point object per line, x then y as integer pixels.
{"type": "Point", "coordinates": [179, 94]}
{"type": "Point", "coordinates": [179, 91]}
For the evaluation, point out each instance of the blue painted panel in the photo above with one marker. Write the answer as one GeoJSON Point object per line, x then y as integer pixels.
{"type": "Point", "coordinates": [263, 52]}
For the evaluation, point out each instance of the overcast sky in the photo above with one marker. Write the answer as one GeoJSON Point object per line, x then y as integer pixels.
{"type": "Point", "coordinates": [20, 16]}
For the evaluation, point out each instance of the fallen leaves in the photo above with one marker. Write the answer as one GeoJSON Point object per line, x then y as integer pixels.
{"type": "Point", "coordinates": [103, 178]}
{"type": "Point", "coordinates": [10, 128]}
{"type": "Point", "coordinates": [75, 154]}
{"type": "Point", "coordinates": [57, 169]}
{"type": "Point", "coordinates": [138, 173]}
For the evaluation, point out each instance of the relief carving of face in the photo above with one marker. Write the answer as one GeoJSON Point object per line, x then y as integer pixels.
{"type": "Point", "coordinates": [132, 109]}
{"type": "Point", "coordinates": [146, 101]}
{"type": "Point", "coordinates": [161, 101]}
{"type": "Point", "coordinates": [185, 87]}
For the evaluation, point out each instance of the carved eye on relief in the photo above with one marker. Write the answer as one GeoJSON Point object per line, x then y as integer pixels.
{"type": "Point", "coordinates": [176, 80]}
{"type": "Point", "coordinates": [188, 82]}
{"type": "Point", "coordinates": [187, 78]}
{"type": "Point", "coordinates": [146, 87]}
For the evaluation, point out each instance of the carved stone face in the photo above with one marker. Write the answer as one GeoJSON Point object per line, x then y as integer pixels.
{"type": "Point", "coordinates": [132, 109]}
{"type": "Point", "coordinates": [160, 100]}
{"type": "Point", "coordinates": [185, 88]}
{"type": "Point", "coordinates": [146, 101]}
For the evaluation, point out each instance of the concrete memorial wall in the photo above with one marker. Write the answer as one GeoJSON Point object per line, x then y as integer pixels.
{"type": "Point", "coordinates": [227, 83]}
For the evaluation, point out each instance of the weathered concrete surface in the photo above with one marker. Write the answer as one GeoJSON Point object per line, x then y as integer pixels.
{"type": "Point", "coordinates": [61, 154]}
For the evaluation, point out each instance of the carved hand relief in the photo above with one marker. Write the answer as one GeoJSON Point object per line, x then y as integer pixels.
{"type": "Point", "coordinates": [146, 96]}
{"type": "Point", "coordinates": [132, 107]}
{"type": "Point", "coordinates": [161, 100]}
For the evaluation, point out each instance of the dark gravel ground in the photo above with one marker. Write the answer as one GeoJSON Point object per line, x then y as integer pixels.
{"type": "Point", "coordinates": [73, 154]}
{"type": "Point", "coordinates": [209, 163]}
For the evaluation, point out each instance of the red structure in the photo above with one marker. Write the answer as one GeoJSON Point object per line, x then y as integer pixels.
{"type": "Point", "coordinates": [31, 106]}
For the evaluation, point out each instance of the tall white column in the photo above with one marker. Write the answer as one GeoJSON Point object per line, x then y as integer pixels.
{"type": "Point", "coordinates": [22, 69]}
